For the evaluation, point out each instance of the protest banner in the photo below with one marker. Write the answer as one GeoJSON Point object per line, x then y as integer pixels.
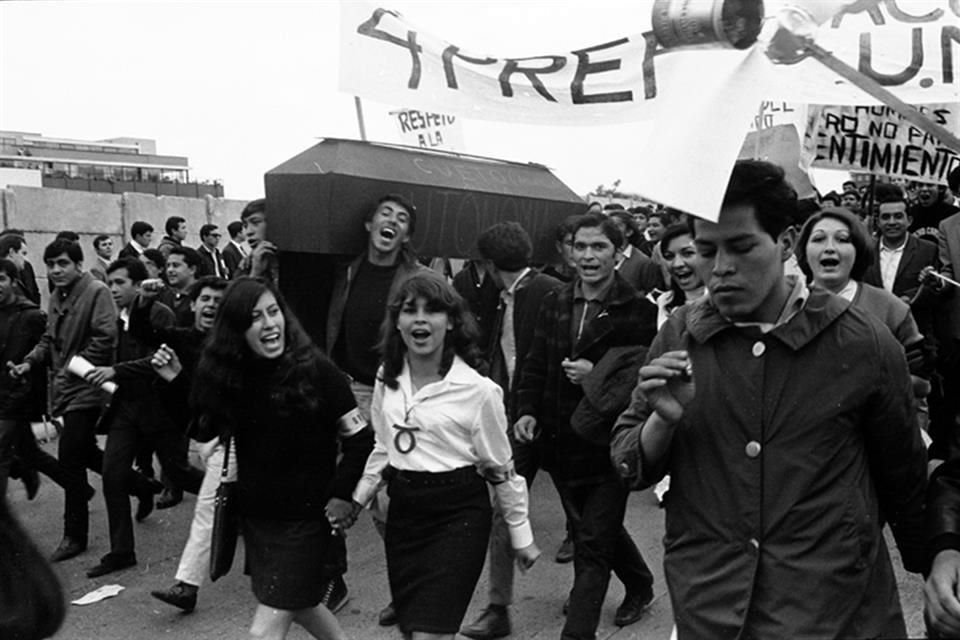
{"type": "Point", "coordinates": [429, 130]}
{"type": "Point", "coordinates": [876, 139]}
{"type": "Point", "coordinates": [915, 55]}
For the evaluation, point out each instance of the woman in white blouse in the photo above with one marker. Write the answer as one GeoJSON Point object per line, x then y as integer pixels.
{"type": "Point", "coordinates": [441, 437]}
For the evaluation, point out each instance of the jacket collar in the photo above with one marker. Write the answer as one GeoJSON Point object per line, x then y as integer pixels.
{"type": "Point", "coordinates": [620, 291]}
{"type": "Point", "coordinates": [703, 321]}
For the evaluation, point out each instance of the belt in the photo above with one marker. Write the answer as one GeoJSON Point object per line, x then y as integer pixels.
{"type": "Point", "coordinates": [462, 475]}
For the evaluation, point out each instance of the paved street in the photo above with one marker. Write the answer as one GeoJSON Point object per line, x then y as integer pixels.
{"type": "Point", "coordinates": [225, 608]}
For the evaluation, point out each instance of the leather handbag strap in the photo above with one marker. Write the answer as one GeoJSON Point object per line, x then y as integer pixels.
{"type": "Point", "coordinates": [226, 459]}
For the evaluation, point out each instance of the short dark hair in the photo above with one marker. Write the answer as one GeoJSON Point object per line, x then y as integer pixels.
{"type": "Point", "coordinates": [190, 256]}
{"type": "Point", "coordinates": [888, 192]}
{"type": "Point", "coordinates": [173, 223]}
{"type": "Point", "coordinates": [832, 196]}
{"type": "Point", "coordinates": [400, 200]}
{"type": "Point", "coordinates": [156, 257]}
{"type": "Point", "coordinates": [9, 242]}
{"type": "Point", "coordinates": [858, 238]}
{"type": "Point", "coordinates": [206, 282]}
{"type": "Point", "coordinates": [633, 231]}
{"type": "Point", "coordinates": [72, 236]}
{"type": "Point", "coordinates": [599, 221]}
{"type": "Point", "coordinates": [100, 238]}
{"type": "Point", "coordinates": [254, 206]}
{"type": "Point", "coordinates": [234, 228]}
{"type": "Point", "coordinates": [207, 229]}
{"type": "Point", "coordinates": [7, 267]}
{"type": "Point", "coordinates": [566, 227]}
{"type": "Point", "coordinates": [764, 186]}
{"type": "Point", "coordinates": [507, 245]}
{"type": "Point", "coordinates": [139, 228]}
{"type": "Point", "coordinates": [62, 246]}
{"type": "Point", "coordinates": [136, 270]}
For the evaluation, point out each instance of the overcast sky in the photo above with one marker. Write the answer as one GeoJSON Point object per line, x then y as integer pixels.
{"type": "Point", "coordinates": [239, 87]}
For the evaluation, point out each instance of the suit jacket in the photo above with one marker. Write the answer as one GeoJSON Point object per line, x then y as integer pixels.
{"type": "Point", "coordinates": [207, 262]}
{"type": "Point", "coordinates": [950, 259]}
{"type": "Point", "coordinates": [128, 251]}
{"type": "Point", "coordinates": [642, 272]}
{"type": "Point", "coordinates": [232, 258]}
{"type": "Point", "coordinates": [99, 269]}
{"type": "Point", "coordinates": [917, 254]}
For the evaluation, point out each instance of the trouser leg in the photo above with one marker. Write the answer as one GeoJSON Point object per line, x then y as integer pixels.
{"type": "Point", "coordinates": [122, 446]}
{"type": "Point", "coordinates": [596, 512]}
{"type": "Point", "coordinates": [171, 448]}
{"type": "Point", "coordinates": [78, 451]}
{"type": "Point", "coordinates": [8, 436]}
{"type": "Point", "coordinates": [195, 560]}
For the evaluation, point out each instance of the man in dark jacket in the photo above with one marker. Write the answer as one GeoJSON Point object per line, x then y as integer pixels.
{"type": "Point", "coordinates": [136, 416]}
{"type": "Point", "coordinates": [785, 419]}
{"type": "Point", "coordinates": [507, 248]}
{"type": "Point", "coordinates": [21, 325]}
{"type": "Point", "coordinates": [81, 321]}
{"type": "Point", "coordinates": [576, 326]}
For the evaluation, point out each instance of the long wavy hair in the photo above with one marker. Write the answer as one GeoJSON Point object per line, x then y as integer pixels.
{"type": "Point", "coordinates": [227, 363]}
{"type": "Point", "coordinates": [461, 340]}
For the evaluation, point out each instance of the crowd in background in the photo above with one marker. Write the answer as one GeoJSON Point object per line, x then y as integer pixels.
{"type": "Point", "coordinates": [818, 337]}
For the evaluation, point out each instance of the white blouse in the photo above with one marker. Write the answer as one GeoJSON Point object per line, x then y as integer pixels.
{"type": "Point", "coordinates": [448, 424]}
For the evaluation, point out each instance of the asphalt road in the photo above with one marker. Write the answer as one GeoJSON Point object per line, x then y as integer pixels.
{"type": "Point", "coordinates": [225, 608]}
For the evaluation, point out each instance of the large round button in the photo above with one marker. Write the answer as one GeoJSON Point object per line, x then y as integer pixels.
{"type": "Point", "coordinates": [759, 348]}
{"type": "Point", "coordinates": [753, 449]}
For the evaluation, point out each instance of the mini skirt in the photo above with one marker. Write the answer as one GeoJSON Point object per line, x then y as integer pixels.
{"type": "Point", "coordinates": [285, 560]}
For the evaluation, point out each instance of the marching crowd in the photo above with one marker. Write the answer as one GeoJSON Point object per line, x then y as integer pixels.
{"type": "Point", "coordinates": [787, 377]}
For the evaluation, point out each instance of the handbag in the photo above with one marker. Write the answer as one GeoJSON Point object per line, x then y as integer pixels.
{"type": "Point", "coordinates": [226, 522]}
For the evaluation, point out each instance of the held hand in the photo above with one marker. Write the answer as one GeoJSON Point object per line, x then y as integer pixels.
{"type": "Point", "coordinates": [927, 279]}
{"type": "Point", "coordinates": [98, 375]}
{"type": "Point", "coordinates": [341, 514]}
{"type": "Point", "coordinates": [667, 383]}
{"type": "Point", "coordinates": [150, 289]}
{"type": "Point", "coordinates": [18, 370]}
{"type": "Point", "coordinates": [527, 556]}
{"type": "Point", "coordinates": [576, 370]}
{"type": "Point", "coordinates": [525, 429]}
{"type": "Point", "coordinates": [941, 606]}
{"type": "Point", "coordinates": [166, 363]}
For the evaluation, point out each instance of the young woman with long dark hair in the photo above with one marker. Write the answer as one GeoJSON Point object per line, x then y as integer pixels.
{"type": "Point", "coordinates": [262, 382]}
{"type": "Point", "coordinates": [441, 437]}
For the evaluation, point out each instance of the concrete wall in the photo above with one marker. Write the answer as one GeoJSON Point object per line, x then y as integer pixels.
{"type": "Point", "coordinates": [42, 213]}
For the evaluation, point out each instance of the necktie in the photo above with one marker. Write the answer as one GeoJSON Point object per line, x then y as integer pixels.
{"type": "Point", "coordinates": [508, 343]}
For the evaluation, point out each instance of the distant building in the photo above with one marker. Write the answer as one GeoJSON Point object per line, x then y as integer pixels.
{"type": "Point", "coordinates": [115, 165]}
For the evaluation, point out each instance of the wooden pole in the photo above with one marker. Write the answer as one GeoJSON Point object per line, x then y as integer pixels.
{"type": "Point", "coordinates": [363, 128]}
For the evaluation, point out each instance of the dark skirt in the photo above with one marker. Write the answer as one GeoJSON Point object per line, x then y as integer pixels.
{"type": "Point", "coordinates": [438, 526]}
{"type": "Point", "coordinates": [285, 560]}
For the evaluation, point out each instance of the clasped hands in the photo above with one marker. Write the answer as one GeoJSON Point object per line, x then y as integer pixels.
{"type": "Point", "coordinates": [342, 514]}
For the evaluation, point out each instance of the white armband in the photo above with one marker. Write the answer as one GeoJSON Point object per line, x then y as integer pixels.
{"type": "Point", "coordinates": [351, 423]}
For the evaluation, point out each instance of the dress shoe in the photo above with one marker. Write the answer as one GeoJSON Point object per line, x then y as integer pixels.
{"type": "Point", "coordinates": [169, 498]}
{"type": "Point", "coordinates": [388, 616]}
{"type": "Point", "coordinates": [112, 562]}
{"type": "Point", "coordinates": [334, 595]}
{"type": "Point", "coordinates": [494, 622]}
{"type": "Point", "coordinates": [631, 609]}
{"type": "Point", "coordinates": [31, 482]}
{"type": "Point", "coordinates": [181, 595]}
{"type": "Point", "coordinates": [565, 552]}
{"type": "Point", "coordinates": [68, 548]}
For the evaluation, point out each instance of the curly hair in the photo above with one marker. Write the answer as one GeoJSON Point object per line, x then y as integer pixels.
{"type": "Point", "coordinates": [461, 340]}
{"type": "Point", "coordinates": [227, 364]}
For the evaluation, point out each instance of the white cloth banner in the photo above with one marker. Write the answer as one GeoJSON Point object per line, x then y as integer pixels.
{"type": "Point", "coordinates": [878, 140]}
{"type": "Point", "coordinates": [386, 58]}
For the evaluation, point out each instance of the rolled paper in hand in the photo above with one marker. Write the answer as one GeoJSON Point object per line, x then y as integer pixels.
{"type": "Point", "coordinates": [80, 366]}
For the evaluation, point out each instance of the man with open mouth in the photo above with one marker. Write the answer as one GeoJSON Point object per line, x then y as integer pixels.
{"type": "Point", "coordinates": [357, 307]}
